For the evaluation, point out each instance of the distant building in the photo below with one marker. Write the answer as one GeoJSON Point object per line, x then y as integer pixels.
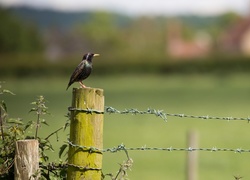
{"type": "Point", "coordinates": [180, 48]}
{"type": "Point", "coordinates": [237, 38]}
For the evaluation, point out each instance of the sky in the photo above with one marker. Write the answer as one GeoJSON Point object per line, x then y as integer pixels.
{"type": "Point", "coordinates": [141, 7]}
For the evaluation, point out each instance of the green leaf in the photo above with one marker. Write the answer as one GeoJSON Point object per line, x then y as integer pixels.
{"type": "Point", "coordinates": [15, 121]}
{"type": "Point", "coordinates": [48, 146]}
{"type": "Point", "coordinates": [5, 134]}
{"type": "Point", "coordinates": [28, 124]}
{"type": "Point", "coordinates": [44, 122]}
{"type": "Point", "coordinates": [66, 125]}
{"type": "Point", "coordinates": [29, 137]}
{"type": "Point", "coordinates": [7, 91]}
{"type": "Point", "coordinates": [33, 109]}
{"type": "Point", "coordinates": [3, 105]}
{"type": "Point", "coordinates": [62, 148]}
{"type": "Point", "coordinates": [43, 142]}
{"type": "Point", "coordinates": [44, 157]}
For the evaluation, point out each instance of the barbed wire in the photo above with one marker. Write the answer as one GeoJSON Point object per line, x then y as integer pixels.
{"type": "Point", "coordinates": [158, 113]}
{"type": "Point", "coordinates": [122, 147]}
{"type": "Point", "coordinates": [127, 164]}
{"type": "Point", "coordinates": [164, 115]}
{"type": "Point", "coordinates": [56, 166]}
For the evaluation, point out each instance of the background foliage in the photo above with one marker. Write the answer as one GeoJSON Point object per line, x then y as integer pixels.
{"type": "Point", "coordinates": [30, 41]}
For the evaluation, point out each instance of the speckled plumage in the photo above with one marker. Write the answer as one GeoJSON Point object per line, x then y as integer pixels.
{"type": "Point", "coordinates": [83, 70]}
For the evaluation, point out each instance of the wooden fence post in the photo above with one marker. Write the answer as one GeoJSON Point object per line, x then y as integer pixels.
{"type": "Point", "coordinates": [192, 157]}
{"type": "Point", "coordinates": [27, 160]}
{"type": "Point", "coordinates": [86, 129]}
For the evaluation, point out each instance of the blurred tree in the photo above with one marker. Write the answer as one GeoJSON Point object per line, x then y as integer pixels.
{"type": "Point", "coordinates": [229, 18]}
{"type": "Point", "coordinates": [16, 36]}
{"type": "Point", "coordinates": [219, 26]}
{"type": "Point", "coordinates": [139, 39]}
{"type": "Point", "coordinates": [101, 32]}
{"type": "Point", "coordinates": [146, 38]}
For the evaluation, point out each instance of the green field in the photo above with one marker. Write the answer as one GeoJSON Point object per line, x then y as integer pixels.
{"type": "Point", "coordinates": [195, 94]}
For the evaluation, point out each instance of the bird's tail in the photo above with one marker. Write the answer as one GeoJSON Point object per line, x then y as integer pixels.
{"type": "Point", "coordinates": [67, 87]}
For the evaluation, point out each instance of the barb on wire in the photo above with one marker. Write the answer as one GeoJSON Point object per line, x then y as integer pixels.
{"type": "Point", "coordinates": [158, 113]}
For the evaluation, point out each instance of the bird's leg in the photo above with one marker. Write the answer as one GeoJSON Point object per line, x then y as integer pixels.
{"type": "Point", "coordinates": [83, 86]}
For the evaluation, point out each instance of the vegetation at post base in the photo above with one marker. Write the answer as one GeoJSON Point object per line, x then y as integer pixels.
{"type": "Point", "coordinates": [8, 138]}
{"type": "Point", "coordinates": [14, 129]}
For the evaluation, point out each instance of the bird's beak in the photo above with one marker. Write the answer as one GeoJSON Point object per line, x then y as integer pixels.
{"type": "Point", "coordinates": [96, 54]}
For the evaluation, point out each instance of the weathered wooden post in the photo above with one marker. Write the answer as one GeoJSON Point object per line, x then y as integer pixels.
{"type": "Point", "coordinates": [27, 160]}
{"type": "Point", "coordinates": [192, 157]}
{"type": "Point", "coordinates": [86, 129]}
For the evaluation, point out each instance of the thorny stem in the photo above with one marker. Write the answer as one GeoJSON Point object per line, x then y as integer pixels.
{"type": "Point", "coordinates": [40, 110]}
{"type": "Point", "coordinates": [1, 124]}
{"type": "Point", "coordinates": [53, 133]}
{"type": "Point", "coordinates": [37, 124]}
{"type": "Point", "coordinates": [126, 165]}
{"type": "Point", "coordinates": [120, 170]}
{"type": "Point", "coordinates": [3, 138]}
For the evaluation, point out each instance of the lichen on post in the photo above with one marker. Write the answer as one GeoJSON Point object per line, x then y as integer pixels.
{"type": "Point", "coordinates": [86, 129]}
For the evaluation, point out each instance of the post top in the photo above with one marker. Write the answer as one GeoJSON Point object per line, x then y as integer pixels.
{"type": "Point", "coordinates": [88, 89]}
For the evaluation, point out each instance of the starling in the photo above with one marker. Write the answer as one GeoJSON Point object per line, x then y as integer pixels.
{"type": "Point", "coordinates": [83, 70]}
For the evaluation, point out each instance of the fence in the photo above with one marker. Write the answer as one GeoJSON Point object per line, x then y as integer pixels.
{"type": "Point", "coordinates": [85, 143]}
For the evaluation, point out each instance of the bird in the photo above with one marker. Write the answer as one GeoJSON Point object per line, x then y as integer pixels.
{"type": "Point", "coordinates": [83, 70]}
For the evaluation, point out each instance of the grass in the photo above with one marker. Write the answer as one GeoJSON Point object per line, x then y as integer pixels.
{"type": "Point", "coordinates": [196, 94]}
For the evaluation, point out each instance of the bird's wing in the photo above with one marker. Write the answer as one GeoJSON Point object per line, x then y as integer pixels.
{"type": "Point", "coordinates": [76, 73]}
